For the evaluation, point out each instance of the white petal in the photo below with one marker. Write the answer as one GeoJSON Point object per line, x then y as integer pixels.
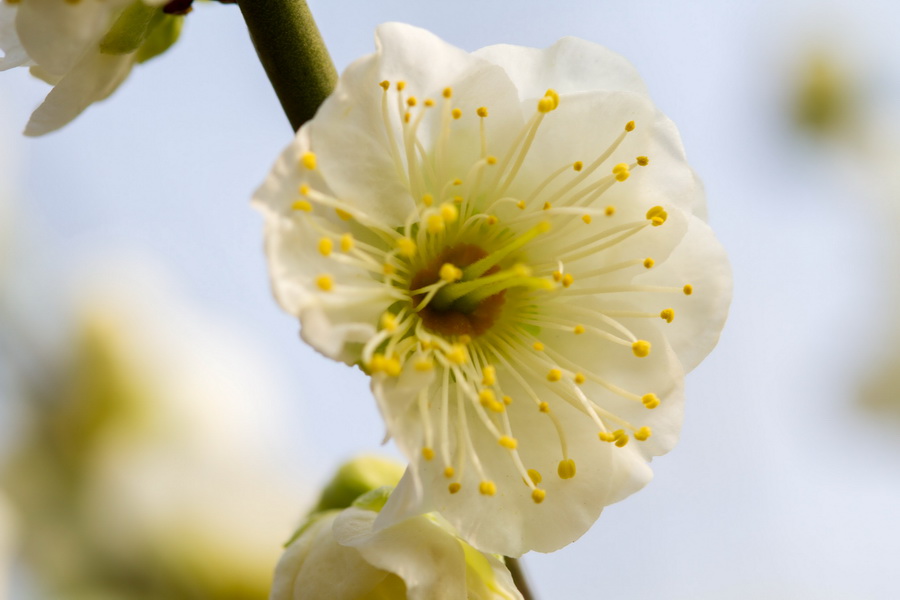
{"type": "Point", "coordinates": [14, 54]}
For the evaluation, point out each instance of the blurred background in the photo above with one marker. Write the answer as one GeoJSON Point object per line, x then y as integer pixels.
{"type": "Point", "coordinates": [162, 428]}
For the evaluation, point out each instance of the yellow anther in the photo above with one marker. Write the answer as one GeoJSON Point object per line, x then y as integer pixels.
{"type": "Point", "coordinates": [578, 165]}
{"type": "Point", "coordinates": [427, 453]}
{"type": "Point", "coordinates": [578, 330]}
{"type": "Point", "coordinates": [620, 167]}
{"type": "Point", "coordinates": [521, 270]}
{"type": "Point", "coordinates": [579, 378]}
{"type": "Point", "coordinates": [606, 436]}
{"type": "Point", "coordinates": [641, 348]}
{"type": "Point", "coordinates": [456, 113]}
{"type": "Point", "coordinates": [435, 224]}
{"type": "Point", "coordinates": [385, 85]}
{"type": "Point", "coordinates": [449, 212]}
{"type": "Point", "coordinates": [621, 439]}
{"type": "Point", "coordinates": [401, 85]}
{"type": "Point", "coordinates": [587, 219]}
{"type": "Point", "coordinates": [388, 269]}
{"type": "Point", "coordinates": [507, 442]}
{"type": "Point", "coordinates": [521, 204]}
{"type": "Point", "coordinates": [325, 246]}
{"type": "Point", "coordinates": [507, 400]}
{"type": "Point", "coordinates": [491, 160]}
{"type": "Point", "coordinates": [544, 407]}
{"type": "Point", "coordinates": [407, 117]}
{"type": "Point", "coordinates": [657, 211]}
{"type": "Point", "coordinates": [427, 199]}
{"type": "Point", "coordinates": [554, 375]}
{"type": "Point", "coordinates": [566, 469]}
{"type": "Point", "coordinates": [547, 206]}
{"type": "Point", "coordinates": [642, 434]}
{"type": "Point", "coordinates": [537, 346]}
{"type": "Point", "coordinates": [411, 101]}
{"type": "Point", "coordinates": [492, 220]}
{"type": "Point", "coordinates": [648, 263]}
{"type": "Point", "coordinates": [308, 160]}
{"type": "Point", "coordinates": [567, 280]}
{"type": "Point", "coordinates": [643, 161]}
{"type": "Point", "coordinates": [302, 205]}
{"type": "Point", "coordinates": [489, 375]}
{"type": "Point", "coordinates": [343, 214]}
{"type": "Point", "coordinates": [423, 365]}
{"type": "Point", "coordinates": [621, 172]}
{"type": "Point", "coordinates": [450, 273]}
{"type": "Point", "coordinates": [347, 242]}
{"type": "Point", "coordinates": [425, 344]}
{"type": "Point", "coordinates": [325, 283]}
{"type": "Point", "coordinates": [454, 487]}
{"type": "Point", "coordinates": [535, 476]}
{"type": "Point", "coordinates": [458, 199]}
{"type": "Point", "coordinates": [449, 472]}
{"type": "Point", "coordinates": [629, 126]}
{"type": "Point", "coordinates": [447, 93]}
{"type": "Point", "coordinates": [545, 105]}
{"type": "Point", "coordinates": [303, 189]}
{"type": "Point", "coordinates": [543, 226]}
{"type": "Point", "coordinates": [557, 275]}
{"type": "Point", "coordinates": [429, 102]}
{"type": "Point", "coordinates": [688, 289]}
{"type": "Point", "coordinates": [667, 314]}
{"type": "Point", "coordinates": [392, 366]}
{"type": "Point", "coordinates": [457, 181]}
{"type": "Point", "coordinates": [486, 397]}
{"type": "Point", "coordinates": [376, 365]}
{"type": "Point", "coordinates": [406, 246]}
{"type": "Point", "coordinates": [457, 354]}
{"type": "Point", "coordinates": [538, 495]}
{"type": "Point", "coordinates": [464, 338]}
{"type": "Point", "coordinates": [659, 219]}
{"type": "Point", "coordinates": [610, 210]}
{"type": "Point", "coordinates": [551, 93]}
{"type": "Point", "coordinates": [482, 111]}
{"type": "Point", "coordinates": [388, 322]}
{"type": "Point", "coordinates": [650, 400]}
{"type": "Point", "coordinates": [487, 488]}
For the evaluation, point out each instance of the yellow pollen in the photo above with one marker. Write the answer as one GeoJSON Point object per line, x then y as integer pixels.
{"type": "Point", "coordinates": [325, 246]}
{"type": "Point", "coordinates": [567, 280]}
{"type": "Point", "coordinates": [650, 400]}
{"type": "Point", "coordinates": [454, 487]}
{"type": "Point", "coordinates": [429, 102]}
{"type": "Point", "coordinates": [427, 199]}
{"type": "Point", "coordinates": [557, 275]}
{"type": "Point", "coordinates": [325, 283]}
{"type": "Point", "coordinates": [482, 111]}
{"type": "Point", "coordinates": [629, 126]}
{"type": "Point", "coordinates": [621, 438]}
{"type": "Point", "coordinates": [343, 214]}
{"type": "Point", "coordinates": [392, 367]}
{"type": "Point", "coordinates": [303, 189]}
{"type": "Point", "coordinates": [544, 407]}
{"type": "Point", "coordinates": [566, 469]}
{"type": "Point", "coordinates": [535, 476]}
{"type": "Point", "coordinates": [586, 219]}
{"type": "Point", "coordinates": [508, 442]}
{"type": "Point", "coordinates": [388, 269]}
{"type": "Point", "coordinates": [606, 437]}
{"type": "Point", "coordinates": [447, 93]}
{"type": "Point", "coordinates": [406, 246]}
{"type": "Point", "coordinates": [642, 434]}
{"type": "Point", "coordinates": [545, 105]}
{"type": "Point", "coordinates": [486, 397]}
{"type": "Point", "coordinates": [302, 205]}
{"type": "Point", "coordinates": [411, 101]}
{"type": "Point", "coordinates": [457, 181]}
{"type": "Point", "coordinates": [552, 95]}
{"type": "Point", "coordinates": [643, 161]}
{"type": "Point", "coordinates": [450, 273]}
{"type": "Point", "coordinates": [449, 472]}
{"type": "Point", "coordinates": [458, 199]}
{"type": "Point", "coordinates": [620, 167]}
{"type": "Point", "coordinates": [457, 354]}
{"type": "Point", "coordinates": [507, 400]}
{"type": "Point", "coordinates": [578, 330]}
{"type": "Point", "coordinates": [491, 160]}
{"type": "Point", "coordinates": [376, 365]}
{"type": "Point", "coordinates": [641, 348]}
{"type": "Point", "coordinates": [347, 242]}
{"type": "Point", "coordinates": [547, 206]}
{"type": "Point", "coordinates": [487, 488]}
{"type": "Point", "coordinates": [648, 263]}
{"type": "Point", "coordinates": [401, 85]}
{"type": "Point", "coordinates": [537, 346]}
{"type": "Point", "coordinates": [489, 375]}
{"type": "Point", "coordinates": [579, 378]}
{"type": "Point", "coordinates": [621, 172]}
{"type": "Point", "coordinates": [578, 165]}
{"type": "Point", "coordinates": [449, 212]}
{"type": "Point", "coordinates": [610, 211]}
{"type": "Point", "coordinates": [688, 289]}
{"type": "Point", "coordinates": [492, 220]}
{"type": "Point", "coordinates": [424, 365]}
{"type": "Point", "coordinates": [667, 314]}
{"type": "Point", "coordinates": [657, 215]}
{"type": "Point", "coordinates": [538, 495]}
{"type": "Point", "coordinates": [427, 453]}
{"type": "Point", "coordinates": [456, 113]}
{"type": "Point", "coordinates": [521, 204]}
{"type": "Point", "coordinates": [554, 375]}
{"type": "Point", "coordinates": [407, 117]}
{"type": "Point", "coordinates": [388, 322]}
{"type": "Point", "coordinates": [308, 160]}
{"type": "Point", "coordinates": [385, 85]}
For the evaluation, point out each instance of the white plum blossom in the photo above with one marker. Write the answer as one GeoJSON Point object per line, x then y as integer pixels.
{"type": "Point", "coordinates": [512, 244]}
{"type": "Point", "coordinates": [339, 555]}
{"type": "Point", "coordinates": [84, 48]}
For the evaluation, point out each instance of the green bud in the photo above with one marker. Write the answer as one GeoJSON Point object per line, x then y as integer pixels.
{"type": "Point", "coordinates": [163, 33]}
{"type": "Point", "coordinates": [130, 29]}
{"type": "Point", "coordinates": [357, 477]}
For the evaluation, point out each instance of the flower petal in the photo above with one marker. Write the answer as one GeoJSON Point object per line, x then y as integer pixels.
{"type": "Point", "coordinates": [14, 54]}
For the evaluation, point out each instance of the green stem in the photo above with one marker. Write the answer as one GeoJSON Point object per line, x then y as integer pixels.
{"type": "Point", "coordinates": [518, 576]}
{"type": "Point", "coordinates": [293, 54]}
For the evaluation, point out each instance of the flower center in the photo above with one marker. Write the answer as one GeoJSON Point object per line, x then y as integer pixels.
{"type": "Point", "coordinates": [458, 316]}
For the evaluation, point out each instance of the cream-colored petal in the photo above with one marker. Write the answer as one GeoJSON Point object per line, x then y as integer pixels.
{"type": "Point", "coordinates": [14, 54]}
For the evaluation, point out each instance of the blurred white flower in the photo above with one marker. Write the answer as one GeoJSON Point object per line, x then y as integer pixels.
{"type": "Point", "coordinates": [524, 272]}
{"type": "Point", "coordinates": [84, 48]}
{"type": "Point", "coordinates": [339, 555]}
